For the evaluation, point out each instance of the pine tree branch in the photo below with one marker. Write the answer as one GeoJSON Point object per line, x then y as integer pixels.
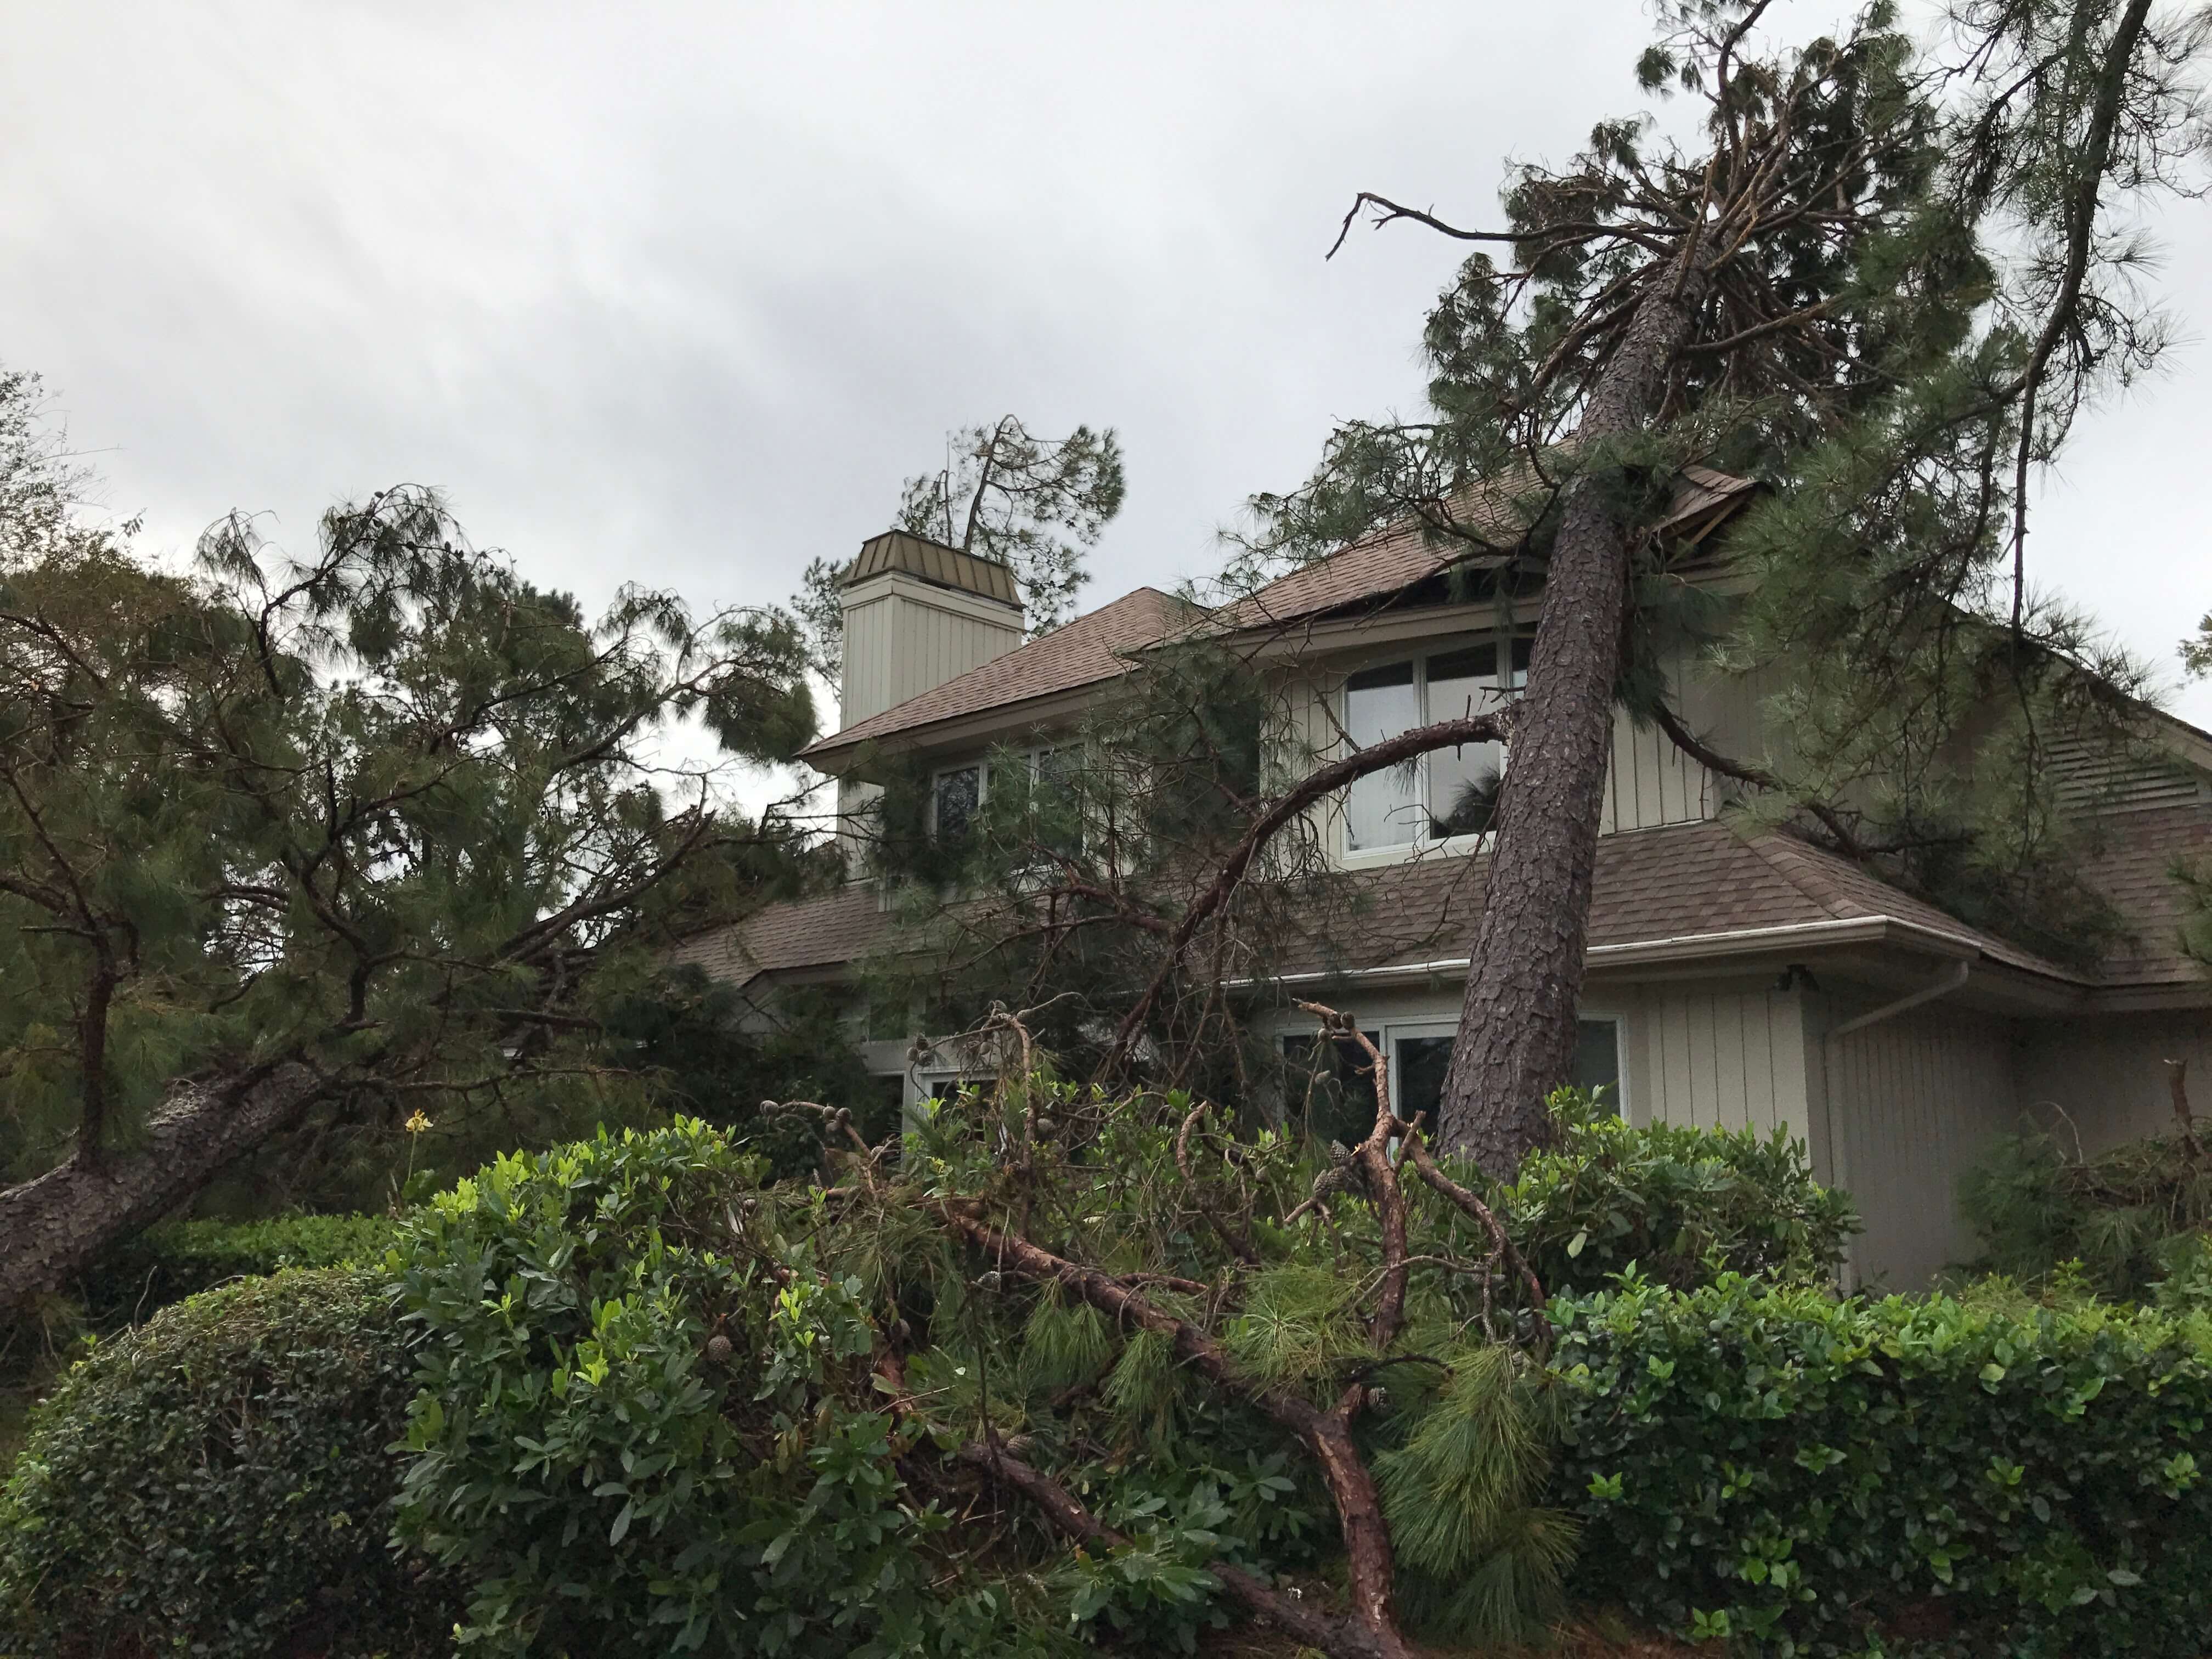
{"type": "Point", "coordinates": [1315, 787]}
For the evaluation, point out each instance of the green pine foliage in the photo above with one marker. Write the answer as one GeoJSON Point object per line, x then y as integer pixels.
{"type": "Point", "coordinates": [382, 812]}
{"type": "Point", "coordinates": [218, 1481]}
{"type": "Point", "coordinates": [2123, 1222]}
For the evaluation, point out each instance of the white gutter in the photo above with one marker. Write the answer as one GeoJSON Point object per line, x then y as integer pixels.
{"type": "Point", "coordinates": [1740, 941]}
{"type": "Point", "coordinates": [1949, 981]}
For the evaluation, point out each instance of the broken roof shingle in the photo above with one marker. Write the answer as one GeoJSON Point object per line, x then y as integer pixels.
{"type": "Point", "coordinates": [1097, 646]}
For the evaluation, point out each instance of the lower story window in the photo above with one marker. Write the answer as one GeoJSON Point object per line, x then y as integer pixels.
{"type": "Point", "coordinates": [1327, 1094]}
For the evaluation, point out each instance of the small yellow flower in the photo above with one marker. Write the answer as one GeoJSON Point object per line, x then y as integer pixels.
{"type": "Point", "coordinates": [416, 1124]}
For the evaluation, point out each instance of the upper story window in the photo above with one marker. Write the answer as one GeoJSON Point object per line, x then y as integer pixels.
{"type": "Point", "coordinates": [956, 796]}
{"type": "Point", "coordinates": [957, 793]}
{"type": "Point", "coordinates": [1452, 792]}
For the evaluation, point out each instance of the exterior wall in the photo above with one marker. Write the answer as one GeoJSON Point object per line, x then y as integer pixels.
{"type": "Point", "coordinates": [1910, 1103]}
{"type": "Point", "coordinates": [904, 636]}
{"type": "Point", "coordinates": [1648, 783]}
{"type": "Point", "coordinates": [1721, 1054]}
{"type": "Point", "coordinates": [1711, 1053]}
{"type": "Point", "coordinates": [2104, 1080]}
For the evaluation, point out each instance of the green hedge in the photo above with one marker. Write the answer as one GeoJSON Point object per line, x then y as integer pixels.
{"type": "Point", "coordinates": [1798, 1472]}
{"type": "Point", "coordinates": [1678, 1204]}
{"type": "Point", "coordinates": [218, 1482]}
{"type": "Point", "coordinates": [169, 1263]}
{"type": "Point", "coordinates": [638, 1431]}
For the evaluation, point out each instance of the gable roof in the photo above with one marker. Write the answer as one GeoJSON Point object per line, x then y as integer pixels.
{"type": "Point", "coordinates": [1094, 647]}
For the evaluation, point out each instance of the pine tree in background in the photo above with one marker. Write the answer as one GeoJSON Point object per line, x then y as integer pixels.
{"type": "Point", "coordinates": [1035, 505]}
{"type": "Point", "coordinates": [308, 845]}
{"type": "Point", "coordinates": [1880, 282]}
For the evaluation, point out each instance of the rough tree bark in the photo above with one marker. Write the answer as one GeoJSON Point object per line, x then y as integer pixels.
{"type": "Point", "coordinates": [1516, 1025]}
{"type": "Point", "coordinates": [55, 1224]}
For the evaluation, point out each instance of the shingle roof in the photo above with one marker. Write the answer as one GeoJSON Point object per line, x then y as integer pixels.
{"type": "Point", "coordinates": [1681, 882]}
{"type": "Point", "coordinates": [1094, 647]}
{"type": "Point", "coordinates": [826, 932]}
{"type": "Point", "coordinates": [1399, 556]}
{"type": "Point", "coordinates": [2133, 870]}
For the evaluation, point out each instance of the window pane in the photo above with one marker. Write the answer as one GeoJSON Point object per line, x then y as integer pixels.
{"type": "Point", "coordinates": [1055, 809]}
{"type": "Point", "coordinates": [1463, 781]}
{"type": "Point", "coordinates": [1420, 1063]}
{"type": "Point", "coordinates": [1384, 808]}
{"type": "Point", "coordinates": [959, 793]}
{"type": "Point", "coordinates": [1477, 662]}
{"type": "Point", "coordinates": [1597, 1059]}
{"type": "Point", "coordinates": [1326, 1091]}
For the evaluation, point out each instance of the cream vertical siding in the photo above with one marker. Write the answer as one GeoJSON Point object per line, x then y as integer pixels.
{"type": "Point", "coordinates": [1912, 1104]}
{"type": "Point", "coordinates": [1648, 783]}
{"type": "Point", "coordinates": [2103, 1081]}
{"type": "Point", "coordinates": [904, 637]}
{"type": "Point", "coordinates": [1727, 1054]}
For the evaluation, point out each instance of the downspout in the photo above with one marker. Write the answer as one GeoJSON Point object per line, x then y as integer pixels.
{"type": "Point", "coordinates": [1951, 979]}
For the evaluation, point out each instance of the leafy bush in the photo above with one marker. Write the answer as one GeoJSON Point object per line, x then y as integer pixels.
{"type": "Point", "coordinates": [169, 1263]}
{"type": "Point", "coordinates": [1768, 1463]}
{"type": "Point", "coordinates": [2128, 1216]}
{"type": "Point", "coordinates": [1681, 1204]}
{"type": "Point", "coordinates": [640, 1434]}
{"type": "Point", "coordinates": [218, 1481]}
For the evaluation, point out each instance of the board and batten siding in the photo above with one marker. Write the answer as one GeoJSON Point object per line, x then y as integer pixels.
{"type": "Point", "coordinates": [1912, 1104]}
{"type": "Point", "coordinates": [1729, 1054]}
{"type": "Point", "coordinates": [2097, 1083]}
{"type": "Point", "coordinates": [911, 637]}
{"type": "Point", "coordinates": [1649, 782]}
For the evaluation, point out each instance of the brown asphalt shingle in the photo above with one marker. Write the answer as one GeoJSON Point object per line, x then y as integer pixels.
{"type": "Point", "coordinates": [1683, 881]}
{"type": "Point", "coordinates": [1092, 647]}
{"type": "Point", "coordinates": [1097, 647]}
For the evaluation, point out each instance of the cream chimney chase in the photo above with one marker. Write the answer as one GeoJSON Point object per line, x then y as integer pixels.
{"type": "Point", "coordinates": [917, 614]}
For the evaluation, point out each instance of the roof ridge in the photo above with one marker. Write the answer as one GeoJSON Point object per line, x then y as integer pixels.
{"type": "Point", "coordinates": [1781, 854]}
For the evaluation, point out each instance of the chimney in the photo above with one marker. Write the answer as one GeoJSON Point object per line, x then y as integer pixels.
{"type": "Point", "coordinates": [917, 614]}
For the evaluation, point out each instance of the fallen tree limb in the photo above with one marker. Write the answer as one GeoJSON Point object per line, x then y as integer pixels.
{"type": "Point", "coordinates": [1315, 787]}
{"type": "Point", "coordinates": [1370, 1631]}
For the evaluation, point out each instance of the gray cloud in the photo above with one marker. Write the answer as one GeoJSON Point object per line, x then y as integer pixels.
{"type": "Point", "coordinates": [678, 294]}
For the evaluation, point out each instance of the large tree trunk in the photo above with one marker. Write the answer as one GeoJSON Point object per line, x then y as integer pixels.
{"type": "Point", "coordinates": [1516, 1027]}
{"type": "Point", "coordinates": [52, 1226]}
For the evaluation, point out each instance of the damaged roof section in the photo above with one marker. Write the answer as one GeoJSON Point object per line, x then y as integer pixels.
{"type": "Point", "coordinates": [1102, 644]}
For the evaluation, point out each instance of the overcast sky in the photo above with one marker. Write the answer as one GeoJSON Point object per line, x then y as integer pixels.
{"type": "Point", "coordinates": [679, 293]}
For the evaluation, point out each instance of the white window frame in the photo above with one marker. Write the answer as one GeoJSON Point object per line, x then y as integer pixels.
{"type": "Point", "coordinates": [1422, 842]}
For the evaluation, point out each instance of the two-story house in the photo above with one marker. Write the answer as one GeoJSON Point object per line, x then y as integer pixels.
{"type": "Point", "coordinates": [1734, 977]}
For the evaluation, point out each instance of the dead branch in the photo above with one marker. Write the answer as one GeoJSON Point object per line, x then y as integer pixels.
{"type": "Point", "coordinates": [1372, 1156]}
